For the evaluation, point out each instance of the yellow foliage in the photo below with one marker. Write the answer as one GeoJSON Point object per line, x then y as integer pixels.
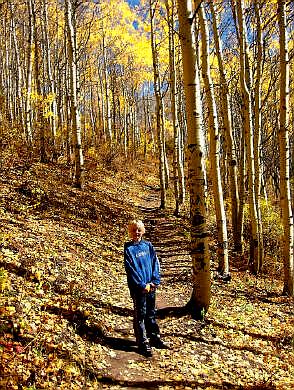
{"type": "Point", "coordinates": [142, 52]}
{"type": "Point", "coordinates": [124, 40]}
{"type": "Point", "coordinates": [4, 280]}
{"type": "Point", "coordinates": [50, 97]}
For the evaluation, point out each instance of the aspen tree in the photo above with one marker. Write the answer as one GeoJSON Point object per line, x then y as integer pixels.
{"type": "Point", "coordinates": [236, 216]}
{"type": "Point", "coordinates": [51, 81]}
{"type": "Point", "coordinates": [148, 117]}
{"type": "Point", "coordinates": [28, 108]}
{"type": "Point", "coordinates": [178, 169]}
{"type": "Point", "coordinates": [285, 195]}
{"type": "Point", "coordinates": [108, 124]}
{"type": "Point", "coordinates": [8, 73]}
{"type": "Point", "coordinates": [242, 159]}
{"type": "Point", "coordinates": [146, 123]}
{"type": "Point", "coordinates": [166, 166]}
{"type": "Point", "coordinates": [245, 80]}
{"type": "Point", "coordinates": [182, 131]}
{"type": "Point", "coordinates": [159, 108]}
{"type": "Point", "coordinates": [38, 120]}
{"type": "Point", "coordinates": [19, 78]}
{"type": "Point", "coordinates": [75, 120]}
{"type": "Point", "coordinates": [125, 126]}
{"type": "Point", "coordinates": [200, 299]}
{"type": "Point", "coordinates": [58, 77]}
{"type": "Point", "coordinates": [223, 261]}
{"type": "Point", "coordinates": [103, 121]}
{"type": "Point", "coordinates": [257, 129]}
{"type": "Point", "coordinates": [113, 111]}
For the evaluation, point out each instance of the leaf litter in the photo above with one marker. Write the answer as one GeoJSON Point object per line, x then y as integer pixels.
{"type": "Point", "coordinates": [66, 314]}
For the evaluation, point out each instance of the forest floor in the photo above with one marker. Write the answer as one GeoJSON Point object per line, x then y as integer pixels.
{"type": "Point", "coordinates": [65, 310]}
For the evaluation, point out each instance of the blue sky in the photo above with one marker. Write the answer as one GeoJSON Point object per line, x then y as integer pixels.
{"type": "Point", "coordinates": [133, 2]}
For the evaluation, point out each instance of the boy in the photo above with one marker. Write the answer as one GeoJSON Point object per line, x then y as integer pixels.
{"type": "Point", "coordinates": [143, 274]}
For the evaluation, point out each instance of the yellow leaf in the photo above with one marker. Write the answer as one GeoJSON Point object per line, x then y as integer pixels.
{"type": "Point", "coordinates": [10, 309]}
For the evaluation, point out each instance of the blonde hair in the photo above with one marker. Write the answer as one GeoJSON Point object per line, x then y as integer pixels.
{"type": "Point", "coordinates": [136, 223]}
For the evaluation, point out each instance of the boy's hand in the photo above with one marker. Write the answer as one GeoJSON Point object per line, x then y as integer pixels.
{"type": "Point", "coordinates": [152, 287]}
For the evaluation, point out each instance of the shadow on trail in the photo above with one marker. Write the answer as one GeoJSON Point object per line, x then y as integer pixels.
{"type": "Point", "coordinates": [120, 344]}
{"type": "Point", "coordinates": [172, 312]}
{"type": "Point", "coordinates": [279, 341]}
{"type": "Point", "coordinates": [19, 270]}
{"type": "Point", "coordinates": [181, 384]}
{"type": "Point", "coordinates": [91, 332]}
{"type": "Point", "coordinates": [218, 342]}
{"type": "Point", "coordinates": [118, 310]}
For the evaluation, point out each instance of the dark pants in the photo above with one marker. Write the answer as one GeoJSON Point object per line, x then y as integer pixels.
{"type": "Point", "coordinates": [145, 325]}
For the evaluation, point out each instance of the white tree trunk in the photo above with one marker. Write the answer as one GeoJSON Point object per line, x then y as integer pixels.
{"type": "Point", "coordinates": [245, 80]}
{"type": "Point", "coordinates": [47, 56]}
{"type": "Point", "coordinates": [76, 125]}
{"type": "Point", "coordinates": [200, 299]}
{"type": "Point", "coordinates": [287, 216]}
{"type": "Point", "coordinates": [177, 164]}
{"type": "Point", "coordinates": [28, 108]}
{"type": "Point", "coordinates": [230, 148]}
{"type": "Point", "coordinates": [159, 117]}
{"type": "Point", "coordinates": [223, 261]}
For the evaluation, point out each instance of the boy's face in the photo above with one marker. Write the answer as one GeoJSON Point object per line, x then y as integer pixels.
{"type": "Point", "coordinates": [136, 232]}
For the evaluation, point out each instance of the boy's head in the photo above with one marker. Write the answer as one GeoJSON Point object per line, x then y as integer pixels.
{"type": "Point", "coordinates": [136, 230]}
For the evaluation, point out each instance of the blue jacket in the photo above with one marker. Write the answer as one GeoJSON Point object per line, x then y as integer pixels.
{"type": "Point", "coordinates": [141, 264]}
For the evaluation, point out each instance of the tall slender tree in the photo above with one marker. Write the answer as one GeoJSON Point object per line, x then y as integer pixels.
{"type": "Point", "coordinates": [39, 123]}
{"type": "Point", "coordinates": [200, 299]}
{"type": "Point", "coordinates": [159, 107]}
{"type": "Point", "coordinates": [246, 85]}
{"type": "Point", "coordinates": [287, 213]}
{"type": "Point", "coordinates": [214, 149]}
{"type": "Point", "coordinates": [19, 76]}
{"type": "Point", "coordinates": [236, 213]}
{"type": "Point", "coordinates": [51, 81]}
{"type": "Point", "coordinates": [77, 154]}
{"type": "Point", "coordinates": [257, 130]}
{"type": "Point", "coordinates": [29, 75]}
{"type": "Point", "coordinates": [178, 169]}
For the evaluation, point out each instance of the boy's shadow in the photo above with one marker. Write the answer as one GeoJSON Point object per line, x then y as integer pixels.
{"type": "Point", "coordinates": [92, 333]}
{"type": "Point", "coordinates": [120, 344]}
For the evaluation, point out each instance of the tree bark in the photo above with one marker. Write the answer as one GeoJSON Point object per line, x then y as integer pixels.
{"type": "Point", "coordinates": [159, 128]}
{"type": "Point", "coordinates": [245, 80]}
{"type": "Point", "coordinates": [108, 123]}
{"type": "Point", "coordinates": [39, 122]}
{"type": "Point", "coordinates": [230, 148]}
{"type": "Point", "coordinates": [76, 126]}
{"type": "Point", "coordinates": [285, 197]}
{"type": "Point", "coordinates": [200, 299]}
{"type": "Point", "coordinates": [51, 81]}
{"type": "Point", "coordinates": [222, 253]}
{"type": "Point", "coordinates": [177, 163]}
{"type": "Point", "coordinates": [257, 132]}
{"type": "Point", "coordinates": [28, 108]}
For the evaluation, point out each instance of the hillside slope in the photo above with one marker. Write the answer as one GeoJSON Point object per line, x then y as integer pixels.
{"type": "Point", "coordinates": [66, 315]}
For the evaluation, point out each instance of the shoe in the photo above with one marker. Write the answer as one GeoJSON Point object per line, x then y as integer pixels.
{"type": "Point", "coordinates": [145, 350]}
{"type": "Point", "coordinates": [158, 343]}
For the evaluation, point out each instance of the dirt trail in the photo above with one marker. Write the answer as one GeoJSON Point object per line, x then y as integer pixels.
{"type": "Point", "coordinates": [166, 234]}
{"type": "Point", "coordinates": [169, 237]}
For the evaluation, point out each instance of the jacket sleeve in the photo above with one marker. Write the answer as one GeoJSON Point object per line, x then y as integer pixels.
{"type": "Point", "coordinates": [132, 274]}
{"type": "Point", "coordinates": [155, 266]}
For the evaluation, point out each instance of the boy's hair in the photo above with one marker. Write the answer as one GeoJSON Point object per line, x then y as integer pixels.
{"type": "Point", "coordinates": [138, 223]}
